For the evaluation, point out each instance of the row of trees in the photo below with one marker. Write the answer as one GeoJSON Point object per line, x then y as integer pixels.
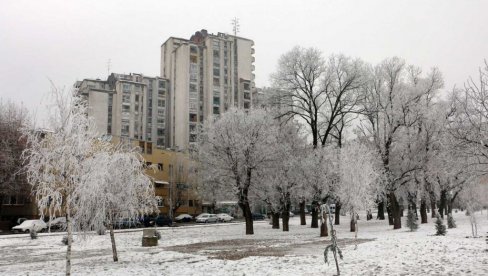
{"type": "Point", "coordinates": [408, 144]}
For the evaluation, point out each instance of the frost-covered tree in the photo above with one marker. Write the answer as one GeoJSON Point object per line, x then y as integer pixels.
{"type": "Point", "coordinates": [55, 161]}
{"type": "Point", "coordinates": [359, 173]}
{"type": "Point", "coordinates": [283, 178]}
{"type": "Point", "coordinates": [115, 188]}
{"type": "Point", "coordinates": [392, 107]}
{"type": "Point", "coordinates": [12, 181]}
{"type": "Point", "coordinates": [231, 151]}
{"type": "Point", "coordinates": [412, 220]}
{"type": "Point", "coordinates": [440, 228]}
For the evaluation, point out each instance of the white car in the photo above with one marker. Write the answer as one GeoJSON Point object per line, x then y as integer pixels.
{"type": "Point", "coordinates": [184, 218]}
{"type": "Point", "coordinates": [291, 214]}
{"type": "Point", "coordinates": [29, 225]}
{"type": "Point", "coordinates": [58, 223]}
{"type": "Point", "coordinates": [202, 214]}
{"type": "Point", "coordinates": [225, 217]}
{"type": "Point", "coordinates": [208, 218]}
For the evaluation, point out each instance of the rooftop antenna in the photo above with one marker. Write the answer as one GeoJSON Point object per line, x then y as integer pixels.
{"type": "Point", "coordinates": [109, 63]}
{"type": "Point", "coordinates": [235, 25]}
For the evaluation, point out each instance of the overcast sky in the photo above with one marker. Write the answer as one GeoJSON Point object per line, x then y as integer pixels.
{"type": "Point", "coordinates": [67, 41]}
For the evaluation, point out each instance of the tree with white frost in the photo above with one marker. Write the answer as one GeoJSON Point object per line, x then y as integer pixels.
{"type": "Point", "coordinates": [117, 188]}
{"type": "Point", "coordinates": [55, 160]}
{"type": "Point", "coordinates": [282, 179]}
{"type": "Point", "coordinates": [358, 176]}
{"type": "Point", "coordinates": [231, 151]}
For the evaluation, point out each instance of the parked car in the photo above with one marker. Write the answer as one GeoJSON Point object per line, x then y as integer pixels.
{"type": "Point", "coordinates": [127, 223]}
{"type": "Point", "coordinates": [57, 223]}
{"type": "Point", "coordinates": [202, 214]}
{"type": "Point", "coordinates": [163, 220]}
{"type": "Point", "coordinates": [223, 217]}
{"type": "Point", "coordinates": [257, 216]}
{"type": "Point", "coordinates": [29, 225]}
{"type": "Point", "coordinates": [184, 218]}
{"type": "Point", "coordinates": [208, 218]}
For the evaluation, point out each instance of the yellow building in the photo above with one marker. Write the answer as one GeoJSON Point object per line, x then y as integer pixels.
{"type": "Point", "coordinates": [173, 179]}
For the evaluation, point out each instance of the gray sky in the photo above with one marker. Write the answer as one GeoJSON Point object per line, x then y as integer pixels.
{"type": "Point", "coordinates": [67, 41]}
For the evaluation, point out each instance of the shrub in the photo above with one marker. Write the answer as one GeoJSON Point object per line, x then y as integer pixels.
{"type": "Point", "coordinates": [412, 221]}
{"type": "Point", "coordinates": [451, 223]}
{"type": "Point", "coordinates": [65, 240]}
{"type": "Point", "coordinates": [440, 227]}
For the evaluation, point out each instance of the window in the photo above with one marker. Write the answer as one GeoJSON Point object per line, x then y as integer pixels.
{"type": "Point", "coordinates": [160, 142]}
{"type": "Point", "coordinates": [162, 84]}
{"type": "Point", "coordinates": [161, 103]}
{"type": "Point", "coordinates": [193, 117]}
{"type": "Point", "coordinates": [193, 59]}
{"type": "Point", "coordinates": [137, 98]}
{"type": "Point", "coordinates": [190, 203]}
{"type": "Point", "coordinates": [149, 148]}
{"type": "Point", "coordinates": [216, 110]}
{"type": "Point", "coordinates": [247, 95]}
{"type": "Point", "coordinates": [193, 138]}
{"type": "Point", "coordinates": [126, 87]}
{"type": "Point", "coordinates": [216, 72]}
{"type": "Point", "coordinates": [160, 201]}
{"type": "Point", "coordinates": [126, 108]}
{"type": "Point", "coordinates": [247, 105]}
{"type": "Point", "coordinates": [216, 54]}
{"type": "Point", "coordinates": [216, 81]}
{"type": "Point", "coordinates": [160, 166]}
{"type": "Point", "coordinates": [148, 164]}
{"type": "Point", "coordinates": [161, 93]}
{"type": "Point", "coordinates": [193, 87]}
{"type": "Point", "coordinates": [193, 49]}
{"type": "Point", "coordinates": [216, 100]}
{"type": "Point", "coordinates": [160, 131]}
{"type": "Point", "coordinates": [246, 86]}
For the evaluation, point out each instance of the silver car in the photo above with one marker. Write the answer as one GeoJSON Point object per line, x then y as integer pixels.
{"type": "Point", "coordinates": [207, 218]}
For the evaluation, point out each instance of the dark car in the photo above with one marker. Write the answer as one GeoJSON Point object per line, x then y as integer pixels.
{"type": "Point", "coordinates": [257, 216]}
{"type": "Point", "coordinates": [163, 220]}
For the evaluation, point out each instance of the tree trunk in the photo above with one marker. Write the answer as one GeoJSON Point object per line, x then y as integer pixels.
{"type": "Point", "coordinates": [353, 223]}
{"type": "Point", "coordinates": [337, 214]}
{"type": "Point", "coordinates": [276, 220]}
{"type": "Point", "coordinates": [432, 204]}
{"type": "Point", "coordinates": [302, 213]}
{"type": "Point", "coordinates": [315, 216]}
{"type": "Point", "coordinates": [423, 211]}
{"type": "Point", "coordinates": [324, 232]}
{"type": "Point", "coordinates": [285, 217]}
{"type": "Point", "coordinates": [442, 203]}
{"type": "Point", "coordinates": [396, 212]}
{"type": "Point", "coordinates": [70, 240]}
{"type": "Point", "coordinates": [112, 239]}
{"type": "Point", "coordinates": [381, 210]}
{"type": "Point", "coordinates": [246, 211]}
{"type": "Point", "coordinates": [389, 211]}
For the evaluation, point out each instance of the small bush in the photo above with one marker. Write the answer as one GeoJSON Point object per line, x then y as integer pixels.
{"type": "Point", "coordinates": [158, 234]}
{"type": "Point", "coordinates": [101, 231]}
{"type": "Point", "coordinates": [440, 227]}
{"type": "Point", "coordinates": [451, 223]}
{"type": "Point", "coordinates": [33, 234]}
{"type": "Point", "coordinates": [412, 221]}
{"type": "Point", "coordinates": [65, 240]}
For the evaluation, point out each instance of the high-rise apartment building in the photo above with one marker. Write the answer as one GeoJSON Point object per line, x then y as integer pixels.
{"type": "Point", "coordinates": [208, 74]}
{"type": "Point", "coordinates": [128, 106]}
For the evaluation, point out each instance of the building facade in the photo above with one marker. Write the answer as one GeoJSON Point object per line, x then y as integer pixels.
{"type": "Point", "coordinates": [131, 106]}
{"type": "Point", "coordinates": [208, 74]}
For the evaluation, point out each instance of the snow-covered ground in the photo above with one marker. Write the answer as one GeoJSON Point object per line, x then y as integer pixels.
{"type": "Point", "coordinates": [225, 250]}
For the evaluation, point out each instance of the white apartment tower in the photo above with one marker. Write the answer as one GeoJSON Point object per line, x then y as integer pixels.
{"type": "Point", "coordinates": [207, 75]}
{"type": "Point", "coordinates": [130, 106]}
